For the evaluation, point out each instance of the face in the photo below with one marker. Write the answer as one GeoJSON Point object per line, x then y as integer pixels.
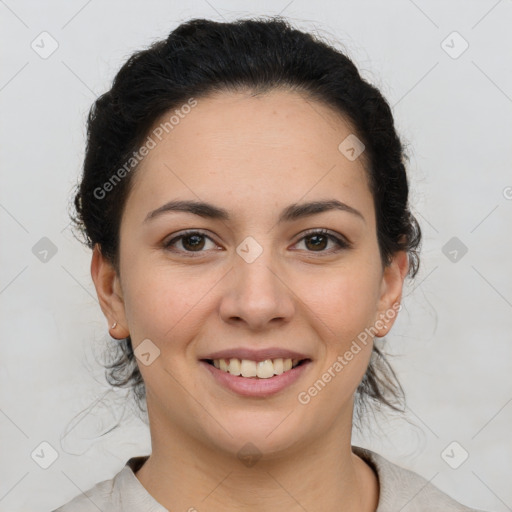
{"type": "Point", "coordinates": [256, 277]}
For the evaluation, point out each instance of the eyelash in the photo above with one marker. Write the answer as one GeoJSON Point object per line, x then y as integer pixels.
{"type": "Point", "coordinates": [341, 243]}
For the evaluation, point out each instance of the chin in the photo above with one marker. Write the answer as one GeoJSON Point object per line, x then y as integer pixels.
{"type": "Point", "coordinates": [259, 434]}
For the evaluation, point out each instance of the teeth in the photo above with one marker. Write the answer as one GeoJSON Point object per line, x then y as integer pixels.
{"type": "Point", "coordinates": [262, 369]}
{"type": "Point", "coordinates": [278, 366]}
{"type": "Point", "coordinates": [234, 366]}
{"type": "Point", "coordinates": [265, 369]}
{"type": "Point", "coordinates": [247, 368]}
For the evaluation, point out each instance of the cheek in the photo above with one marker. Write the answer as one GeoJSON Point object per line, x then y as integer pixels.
{"type": "Point", "coordinates": [344, 300]}
{"type": "Point", "coordinates": [344, 307]}
{"type": "Point", "coordinates": [161, 301]}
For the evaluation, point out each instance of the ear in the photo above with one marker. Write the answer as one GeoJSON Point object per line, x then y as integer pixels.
{"type": "Point", "coordinates": [110, 295]}
{"type": "Point", "coordinates": [391, 293]}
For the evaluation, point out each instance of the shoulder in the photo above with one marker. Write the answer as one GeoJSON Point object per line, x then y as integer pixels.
{"type": "Point", "coordinates": [122, 493]}
{"type": "Point", "coordinates": [98, 497]}
{"type": "Point", "coordinates": [402, 489]}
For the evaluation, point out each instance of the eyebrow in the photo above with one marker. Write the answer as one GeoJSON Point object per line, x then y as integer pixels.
{"type": "Point", "coordinates": [290, 213]}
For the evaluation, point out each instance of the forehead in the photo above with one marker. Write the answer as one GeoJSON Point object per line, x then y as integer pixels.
{"type": "Point", "coordinates": [248, 147]}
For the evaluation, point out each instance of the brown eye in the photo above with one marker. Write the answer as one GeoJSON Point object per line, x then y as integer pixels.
{"type": "Point", "coordinates": [191, 241]}
{"type": "Point", "coordinates": [317, 241]}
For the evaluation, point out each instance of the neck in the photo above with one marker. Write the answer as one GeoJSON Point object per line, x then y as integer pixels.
{"type": "Point", "coordinates": [322, 476]}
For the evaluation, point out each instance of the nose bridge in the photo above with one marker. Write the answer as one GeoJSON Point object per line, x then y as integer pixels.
{"type": "Point", "coordinates": [256, 292]}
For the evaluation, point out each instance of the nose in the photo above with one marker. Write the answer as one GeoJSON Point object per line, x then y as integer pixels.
{"type": "Point", "coordinates": [257, 294]}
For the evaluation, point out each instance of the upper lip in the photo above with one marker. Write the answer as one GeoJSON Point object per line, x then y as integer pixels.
{"type": "Point", "coordinates": [256, 354]}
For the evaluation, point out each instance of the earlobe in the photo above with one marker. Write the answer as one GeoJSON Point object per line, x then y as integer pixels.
{"type": "Point", "coordinates": [391, 293]}
{"type": "Point", "coordinates": [108, 290]}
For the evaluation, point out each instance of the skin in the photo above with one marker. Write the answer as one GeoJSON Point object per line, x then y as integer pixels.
{"type": "Point", "coordinates": [253, 155]}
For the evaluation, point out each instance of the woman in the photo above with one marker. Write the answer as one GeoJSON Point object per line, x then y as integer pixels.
{"type": "Point", "coordinates": [245, 197]}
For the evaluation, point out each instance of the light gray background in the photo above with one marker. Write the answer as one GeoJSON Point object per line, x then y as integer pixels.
{"type": "Point", "coordinates": [452, 342]}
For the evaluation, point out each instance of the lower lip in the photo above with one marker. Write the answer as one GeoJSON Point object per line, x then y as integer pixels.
{"type": "Point", "coordinates": [254, 386]}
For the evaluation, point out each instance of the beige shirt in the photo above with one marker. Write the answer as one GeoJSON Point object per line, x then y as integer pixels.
{"type": "Point", "coordinates": [400, 490]}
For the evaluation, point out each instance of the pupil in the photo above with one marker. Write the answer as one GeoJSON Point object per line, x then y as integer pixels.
{"type": "Point", "coordinates": [194, 245]}
{"type": "Point", "coordinates": [317, 237]}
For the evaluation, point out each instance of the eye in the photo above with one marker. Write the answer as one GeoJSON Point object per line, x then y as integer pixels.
{"type": "Point", "coordinates": [316, 240]}
{"type": "Point", "coordinates": [194, 241]}
{"type": "Point", "coordinates": [190, 241]}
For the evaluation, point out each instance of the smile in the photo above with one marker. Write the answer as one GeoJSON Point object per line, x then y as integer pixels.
{"type": "Point", "coordinates": [262, 369]}
{"type": "Point", "coordinates": [257, 379]}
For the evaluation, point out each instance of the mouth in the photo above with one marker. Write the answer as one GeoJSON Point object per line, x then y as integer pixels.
{"type": "Point", "coordinates": [256, 374]}
{"type": "Point", "coordinates": [252, 369]}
